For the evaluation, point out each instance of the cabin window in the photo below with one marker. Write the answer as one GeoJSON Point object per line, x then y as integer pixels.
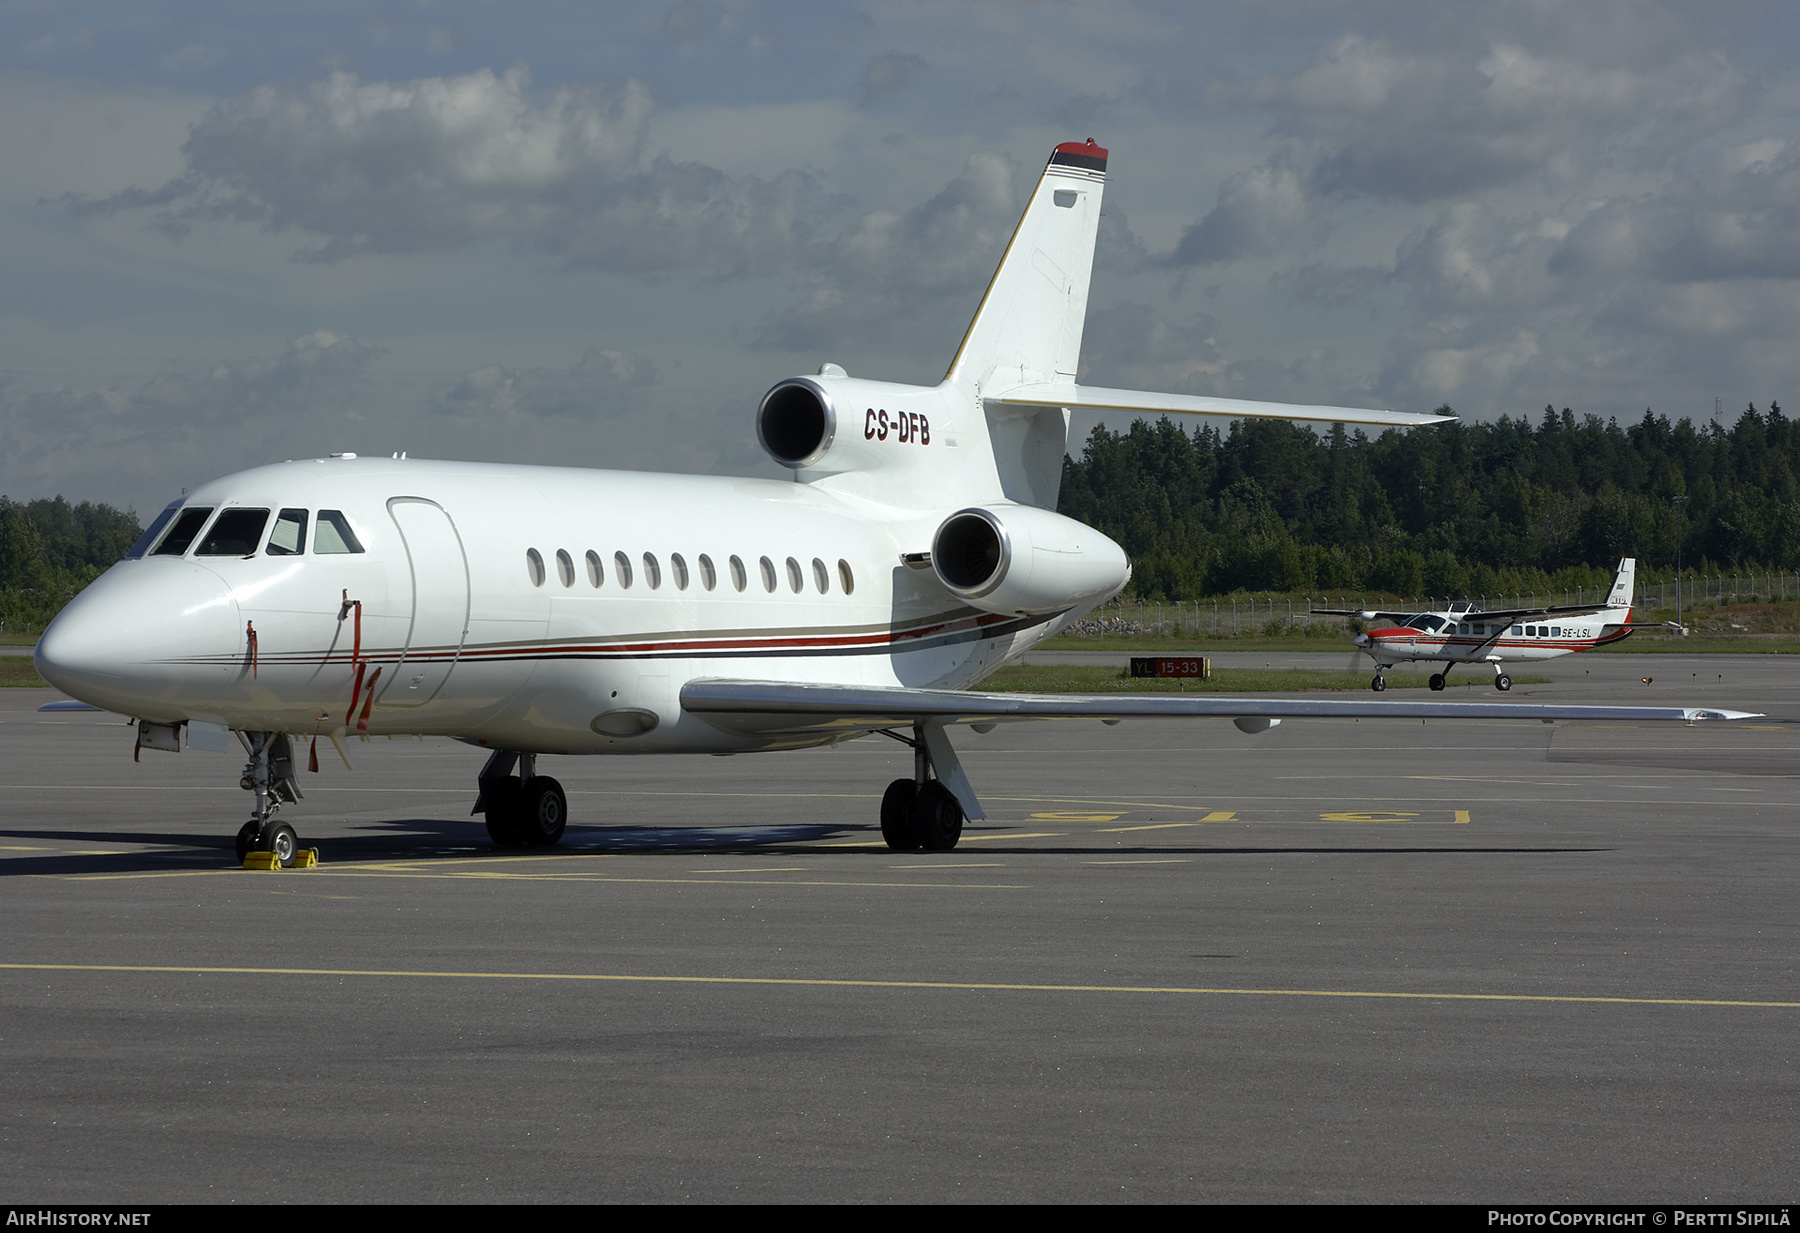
{"type": "Point", "coordinates": [332, 534]}
{"type": "Point", "coordinates": [1517, 630]}
{"type": "Point", "coordinates": [596, 576]}
{"type": "Point", "coordinates": [565, 568]}
{"type": "Point", "coordinates": [534, 567]}
{"type": "Point", "coordinates": [652, 571]}
{"type": "Point", "coordinates": [288, 539]}
{"type": "Point", "coordinates": [821, 576]}
{"type": "Point", "coordinates": [738, 578]}
{"type": "Point", "coordinates": [622, 569]}
{"type": "Point", "coordinates": [768, 575]}
{"type": "Point", "coordinates": [155, 528]}
{"type": "Point", "coordinates": [235, 533]}
{"type": "Point", "coordinates": [182, 534]}
{"type": "Point", "coordinates": [846, 579]}
{"type": "Point", "coordinates": [680, 568]}
{"type": "Point", "coordinates": [1556, 631]}
{"type": "Point", "coordinates": [709, 577]}
{"type": "Point", "coordinates": [796, 580]}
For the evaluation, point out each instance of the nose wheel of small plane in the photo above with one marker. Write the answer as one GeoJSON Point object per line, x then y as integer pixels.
{"type": "Point", "coordinates": [1379, 684]}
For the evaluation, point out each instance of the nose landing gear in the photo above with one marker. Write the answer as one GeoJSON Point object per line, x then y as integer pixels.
{"type": "Point", "coordinates": [269, 774]}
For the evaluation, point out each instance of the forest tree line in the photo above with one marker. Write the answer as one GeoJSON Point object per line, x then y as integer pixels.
{"type": "Point", "coordinates": [49, 550]}
{"type": "Point", "coordinates": [1450, 511]}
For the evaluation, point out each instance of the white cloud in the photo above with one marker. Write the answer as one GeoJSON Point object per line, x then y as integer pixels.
{"type": "Point", "coordinates": [603, 384]}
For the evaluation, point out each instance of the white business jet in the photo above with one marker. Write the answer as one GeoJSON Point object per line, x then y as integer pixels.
{"type": "Point", "coordinates": [549, 610]}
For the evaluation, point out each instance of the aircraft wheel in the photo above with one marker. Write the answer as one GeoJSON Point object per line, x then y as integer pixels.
{"type": "Point", "coordinates": [545, 812]}
{"type": "Point", "coordinates": [897, 816]}
{"type": "Point", "coordinates": [1379, 684]}
{"type": "Point", "coordinates": [1437, 682]}
{"type": "Point", "coordinates": [1503, 682]}
{"type": "Point", "coordinates": [504, 825]}
{"type": "Point", "coordinates": [280, 839]}
{"type": "Point", "coordinates": [937, 818]}
{"type": "Point", "coordinates": [246, 839]}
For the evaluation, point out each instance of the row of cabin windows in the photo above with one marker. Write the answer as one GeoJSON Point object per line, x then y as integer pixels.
{"type": "Point", "coordinates": [1431, 624]}
{"type": "Point", "coordinates": [678, 568]}
{"type": "Point", "coordinates": [238, 532]}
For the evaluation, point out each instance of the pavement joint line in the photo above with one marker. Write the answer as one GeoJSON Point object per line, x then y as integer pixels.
{"type": "Point", "coordinates": [496, 875]}
{"type": "Point", "coordinates": [969, 985]}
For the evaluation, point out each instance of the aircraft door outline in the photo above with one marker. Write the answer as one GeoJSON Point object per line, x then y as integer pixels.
{"type": "Point", "coordinates": [440, 601]}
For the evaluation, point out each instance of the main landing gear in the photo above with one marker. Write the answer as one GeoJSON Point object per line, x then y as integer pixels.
{"type": "Point", "coordinates": [522, 810]}
{"type": "Point", "coordinates": [269, 774]}
{"type": "Point", "coordinates": [922, 812]}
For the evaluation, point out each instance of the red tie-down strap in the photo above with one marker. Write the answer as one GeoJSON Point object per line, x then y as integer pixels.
{"type": "Point", "coordinates": [312, 757]}
{"type": "Point", "coordinates": [250, 636]}
{"type": "Point", "coordinates": [356, 660]}
{"type": "Point", "coordinates": [362, 720]}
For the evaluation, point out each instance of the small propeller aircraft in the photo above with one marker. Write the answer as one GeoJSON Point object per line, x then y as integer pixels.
{"type": "Point", "coordinates": [1460, 634]}
{"type": "Point", "coordinates": [541, 611]}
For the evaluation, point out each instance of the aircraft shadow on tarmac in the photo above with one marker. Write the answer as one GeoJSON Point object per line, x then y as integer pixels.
{"type": "Point", "coordinates": [431, 840]}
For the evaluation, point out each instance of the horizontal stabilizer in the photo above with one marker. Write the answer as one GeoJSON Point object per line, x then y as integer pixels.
{"type": "Point", "coordinates": [776, 707]}
{"type": "Point", "coordinates": [1097, 398]}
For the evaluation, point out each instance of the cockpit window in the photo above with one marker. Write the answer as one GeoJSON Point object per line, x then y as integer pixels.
{"type": "Point", "coordinates": [288, 539]}
{"type": "Point", "coordinates": [333, 534]}
{"type": "Point", "coordinates": [236, 533]}
{"type": "Point", "coordinates": [1426, 624]}
{"type": "Point", "coordinates": [182, 534]}
{"type": "Point", "coordinates": [149, 536]}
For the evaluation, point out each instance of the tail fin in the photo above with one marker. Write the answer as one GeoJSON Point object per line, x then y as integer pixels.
{"type": "Point", "coordinates": [1027, 330]}
{"type": "Point", "coordinates": [1020, 353]}
{"type": "Point", "coordinates": [1620, 596]}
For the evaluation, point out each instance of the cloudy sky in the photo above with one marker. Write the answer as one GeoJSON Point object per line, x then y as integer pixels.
{"type": "Point", "coordinates": [594, 234]}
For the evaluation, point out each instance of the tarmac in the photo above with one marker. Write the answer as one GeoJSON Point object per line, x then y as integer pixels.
{"type": "Point", "coordinates": [1376, 961]}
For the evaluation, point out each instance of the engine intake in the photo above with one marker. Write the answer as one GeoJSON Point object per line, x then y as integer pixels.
{"type": "Point", "coordinates": [796, 422]}
{"type": "Point", "coordinates": [1020, 559]}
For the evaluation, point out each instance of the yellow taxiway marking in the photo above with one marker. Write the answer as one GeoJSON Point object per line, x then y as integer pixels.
{"type": "Point", "coordinates": [934, 865]}
{"type": "Point", "coordinates": [1039, 835]}
{"type": "Point", "coordinates": [802, 982]}
{"type": "Point", "coordinates": [1156, 826]}
{"type": "Point", "coordinates": [779, 869]}
{"type": "Point", "coordinates": [1172, 861]}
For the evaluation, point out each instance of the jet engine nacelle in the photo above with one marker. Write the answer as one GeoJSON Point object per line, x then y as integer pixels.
{"type": "Point", "coordinates": [830, 423]}
{"type": "Point", "coordinates": [1017, 558]}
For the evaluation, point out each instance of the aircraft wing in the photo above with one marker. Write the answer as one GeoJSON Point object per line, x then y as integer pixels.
{"type": "Point", "coordinates": [1099, 398]}
{"type": "Point", "coordinates": [1367, 614]}
{"type": "Point", "coordinates": [785, 708]}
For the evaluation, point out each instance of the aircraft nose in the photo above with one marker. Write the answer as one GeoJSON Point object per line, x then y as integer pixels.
{"type": "Point", "coordinates": [146, 638]}
{"type": "Point", "coordinates": [1360, 640]}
